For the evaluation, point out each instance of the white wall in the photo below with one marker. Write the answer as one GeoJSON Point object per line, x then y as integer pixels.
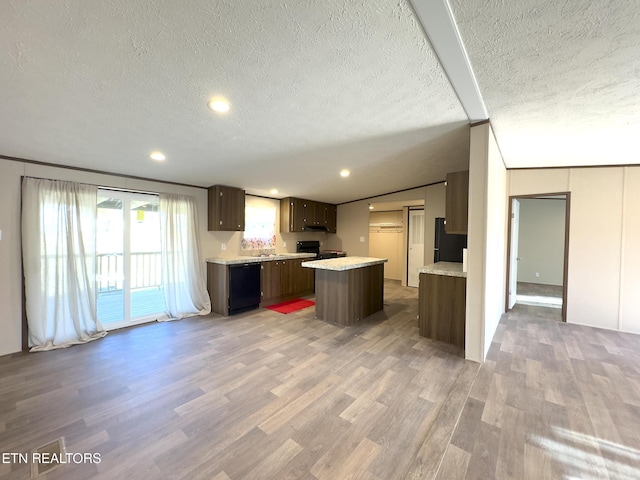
{"type": "Point", "coordinates": [353, 221]}
{"type": "Point", "coordinates": [541, 240]}
{"type": "Point", "coordinates": [10, 245]}
{"type": "Point", "coordinates": [486, 275]}
{"type": "Point", "coordinates": [353, 224]}
{"type": "Point", "coordinates": [387, 241]}
{"type": "Point", "coordinates": [603, 281]}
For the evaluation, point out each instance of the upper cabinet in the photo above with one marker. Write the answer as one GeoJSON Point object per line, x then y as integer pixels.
{"type": "Point", "coordinates": [226, 209]}
{"type": "Point", "coordinates": [331, 217]}
{"type": "Point", "coordinates": [457, 202]}
{"type": "Point", "coordinates": [300, 215]}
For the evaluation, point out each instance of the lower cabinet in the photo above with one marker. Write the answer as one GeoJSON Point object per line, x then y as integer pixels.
{"type": "Point", "coordinates": [442, 308]}
{"type": "Point", "coordinates": [285, 279]}
{"type": "Point", "coordinates": [280, 280]}
{"type": "Point", "coordinates": [218, 287]}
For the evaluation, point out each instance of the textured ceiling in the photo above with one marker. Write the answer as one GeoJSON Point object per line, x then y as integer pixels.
{"type": "Point", "coordinates": [560, 78]}
{"type": "Point", "coordinates": [315, 86]}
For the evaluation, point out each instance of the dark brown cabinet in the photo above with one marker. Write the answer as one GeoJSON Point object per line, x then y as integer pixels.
{"type": "Point", "coordinates": [291, 215]}
{"type": "Point", "coordinates": [218, 287]}
{"type": "Point", "coordinates": [304, 278]}
{"type": "Point", "coordinates": [271, 280]}
{"type": "Point", "coordinates": [298, 213]}
{"type": "Point", "coordinates": [287, 278]}
{"type": "Point", "coordinates": [226, 209]}
{"type": "Point", "coordinates": [277, 279]}
{"type": "Point", "coordinates": [331, 217]}
{"type": "Point", "coordinates": [442, 308]}
{"type": "Point", "coordinates": [457, 202]}
{"type": "Point", "coordinates": [312, 212]}
{"type": "Point", "coordinates": [284, 279]}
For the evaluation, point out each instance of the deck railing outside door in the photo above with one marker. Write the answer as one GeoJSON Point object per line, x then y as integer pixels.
{"type": "Point", "coordinates": [145, 271]}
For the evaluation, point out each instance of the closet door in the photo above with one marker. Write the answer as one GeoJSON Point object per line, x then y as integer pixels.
{"type": "Point", "coordinates": [416, 247]}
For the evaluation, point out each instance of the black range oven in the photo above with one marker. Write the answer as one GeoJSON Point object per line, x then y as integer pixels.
{"type": "Point", "coordinates": [313, 246]}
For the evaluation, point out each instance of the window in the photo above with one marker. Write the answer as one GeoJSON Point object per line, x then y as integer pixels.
{"type": "Point", "coordinates": [260, 223]}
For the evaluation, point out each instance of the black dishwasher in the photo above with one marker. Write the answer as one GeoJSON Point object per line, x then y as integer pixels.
{"type": "Point", "coordinates": [244, 287]}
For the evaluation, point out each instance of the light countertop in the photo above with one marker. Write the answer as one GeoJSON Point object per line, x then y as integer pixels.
{"type": "Point", "coordinates": [235, 259]}
{"type": "Point", "coordinates": [344, 263]}
{"type": "Point", "coordinates": [450, 269]}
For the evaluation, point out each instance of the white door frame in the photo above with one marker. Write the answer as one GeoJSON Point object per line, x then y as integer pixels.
{"type": "Point", "coordinates": [514, 219]}
{"type": "Point", "coordinates": [565, 274]}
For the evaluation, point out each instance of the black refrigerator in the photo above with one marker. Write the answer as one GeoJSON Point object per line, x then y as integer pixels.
{"type": "Point", "coordinates": [447, 247]}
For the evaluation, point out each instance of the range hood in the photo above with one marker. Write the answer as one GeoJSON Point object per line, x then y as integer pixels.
{"type": "Point", "coordinates": [315, 228]}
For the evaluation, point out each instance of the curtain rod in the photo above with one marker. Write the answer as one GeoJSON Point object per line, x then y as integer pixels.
{"type": "Point", "coordinates": [101, 187]}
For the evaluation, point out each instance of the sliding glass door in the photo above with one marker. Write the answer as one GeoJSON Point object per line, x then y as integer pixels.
{"type": "Point", "coordinates": [129, 275]}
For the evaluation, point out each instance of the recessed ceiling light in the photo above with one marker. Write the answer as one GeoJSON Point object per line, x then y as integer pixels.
{"type": "Point", "coordinates": [219, 105]}
{"type": "Point", "coordinates": [274, 191]}
{"type": "Point", "coordinates": [159, 156]}
{"type": "Point", "coordinates": [345, 173]}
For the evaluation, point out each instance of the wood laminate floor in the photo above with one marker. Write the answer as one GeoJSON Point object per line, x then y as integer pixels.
{"type": "Point", "coordinates": [256, 396]}
{"type": "Point", "coordinates": [269, 396]}
{"type": "Point", "coordinates": [552, 401]}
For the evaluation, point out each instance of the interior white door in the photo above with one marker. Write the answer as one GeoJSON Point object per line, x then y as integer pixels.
{"type": "Point", "coordinates": [513, 258]}
{"type": "Point", "coordinates": [416, 246]}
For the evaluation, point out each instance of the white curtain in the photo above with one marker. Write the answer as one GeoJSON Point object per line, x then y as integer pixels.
{"type": "Point", "coordinates": [59, 258]}
{"type": "Point", "coordinates": [183, 269]}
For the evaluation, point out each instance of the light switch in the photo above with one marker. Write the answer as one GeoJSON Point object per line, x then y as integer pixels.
{"type": "Point", "coordinates": [361, 239]}
{"type": "Point", "coordinates": [284, 244]}
{"type": "Point", "coordinates": [223, 246]}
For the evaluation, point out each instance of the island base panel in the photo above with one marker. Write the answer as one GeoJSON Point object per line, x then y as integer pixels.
{"type": "Point", "coordinates": [442, 308]}
{"type": "Point", "coordinates": [346, 297]}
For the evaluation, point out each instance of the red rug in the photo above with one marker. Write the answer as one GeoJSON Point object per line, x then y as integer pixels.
{"type": "Point", "coordinates": [291, 305]}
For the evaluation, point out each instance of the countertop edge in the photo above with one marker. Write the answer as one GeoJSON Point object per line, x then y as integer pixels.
{"type": "Point", "coordinates": [449, 269]}
{"type": "Point", "coordinates": [249, 259]}
{"type": "Point", "coordinates": [344, 263]}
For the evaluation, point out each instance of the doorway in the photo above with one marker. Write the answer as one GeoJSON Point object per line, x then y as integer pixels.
{"type": "Point", "coordinates": [538, 251]}
{"type": "Point", "coordinates": [389, 236]}
{"type": "Point", "coordinates": [128, 270]}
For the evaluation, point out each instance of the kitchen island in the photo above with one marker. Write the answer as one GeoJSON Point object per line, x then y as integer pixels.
{"type": "Point", "coordinates": [348, 289]}
{"type": "Point", "coordinates": [442, 302]}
